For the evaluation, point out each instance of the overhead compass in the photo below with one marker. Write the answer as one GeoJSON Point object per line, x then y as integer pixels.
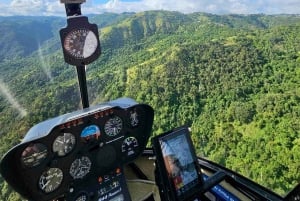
{"type": "Point", "coordinates": [80, 41]}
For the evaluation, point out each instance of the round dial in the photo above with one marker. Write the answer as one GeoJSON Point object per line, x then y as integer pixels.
{"type": "Point", "coordinates": [82, 197]}
{"type": "Point", "coordinates": [50, 180]}
{"type": "Point", "coordinates": [130, 145]}
{"type": "Point", "coordinates": [134, 121]}
{"type": "Point", "coordinates": [34, 154]}
{"type": "Point", "coordinates": [113, 126]}
{"type": "Point", "coordinates": [64, 144]}
{"type": "Point", "coordinates": [80, 167]}
{"type": "Point", "coordinates": [81, 43]}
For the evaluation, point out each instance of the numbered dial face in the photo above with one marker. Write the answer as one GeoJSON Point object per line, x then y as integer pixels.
{"type": "Point", "coordinates": [81, 43]}
{"type": "Point", "coordinates": [34, 154]}
{"type": "Point", "coordinates": [113, 126]}
{"type": "Point", "coordinates": [130, 146]}
{"type": "Point", "coordinates": [134, 121]}
{"type": "Point", "coordinates": [64, 144]}
{"type": "Point", "coordinates": [50, 180]}
{"type": "Point", "coordinates": [82, 197]}
{"type": "Point", "coordinates": [80, 167]}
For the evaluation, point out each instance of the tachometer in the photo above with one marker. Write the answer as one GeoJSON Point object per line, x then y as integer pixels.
{"type": "Point", "coordinates": [80, 167]}
{"type": "Point", "coordinates": [113, 126]}
{"type": "Point", "coordinates": [64, 144]}
{"type": "Point", "coordinates": [50, 180]}
{"type": "Point", "coordinates": [34, 154]}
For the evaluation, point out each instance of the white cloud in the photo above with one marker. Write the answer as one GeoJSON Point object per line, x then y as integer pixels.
{"type": "Point", "coordinates": [32, 7]}
{"type": "Point", "coordinates": [212, 6]}
{"type": "Point", "coordinates": [185, 6]}
{"type": "Point", "coordinates": [54, 7]}
{"type": "Point", "coordinates": [24, 6]}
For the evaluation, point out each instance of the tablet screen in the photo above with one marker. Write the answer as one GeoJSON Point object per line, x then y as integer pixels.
{"type": "Point", "coordinates": [178, 162]}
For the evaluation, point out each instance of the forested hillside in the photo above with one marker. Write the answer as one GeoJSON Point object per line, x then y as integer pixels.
{"type": "Point", "coordinates": [235, 79]}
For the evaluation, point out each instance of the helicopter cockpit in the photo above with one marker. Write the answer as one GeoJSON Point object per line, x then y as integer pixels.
{"type": "Point", "coordinates": [81, 153]}
{"type": "Point", "coordinates": [100, 153]}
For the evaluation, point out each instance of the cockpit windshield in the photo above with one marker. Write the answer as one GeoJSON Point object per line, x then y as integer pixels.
{"type": "Point", "coordinates": [228, 70]}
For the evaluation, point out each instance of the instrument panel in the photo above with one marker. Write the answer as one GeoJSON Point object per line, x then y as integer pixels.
{"type": "Point", "coordinates": [77, 151]}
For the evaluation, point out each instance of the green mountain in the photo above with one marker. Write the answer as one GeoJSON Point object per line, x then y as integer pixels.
{"type": "Point", "coordinates": [20, 36]}
{"type": "Point", "coordinates": [235, 79]}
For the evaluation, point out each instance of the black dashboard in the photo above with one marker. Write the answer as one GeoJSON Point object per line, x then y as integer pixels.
{"type": "Point", "coordinates": [98, 154]}
{"type": "Point", "coordinates": [73, 155]}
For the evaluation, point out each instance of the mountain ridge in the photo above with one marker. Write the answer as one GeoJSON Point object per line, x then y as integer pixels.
{"type": "Point", "coordinates": [233, 79]}
{"type": "Point", "coordinates": [126, 27]}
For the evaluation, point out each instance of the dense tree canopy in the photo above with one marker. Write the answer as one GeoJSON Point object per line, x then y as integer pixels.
{"type": "Point", "coordinates": [234, 79]}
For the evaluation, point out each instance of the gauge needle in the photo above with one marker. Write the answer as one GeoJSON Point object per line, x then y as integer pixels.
{"type": "Point", "coordinates": [49, 177]}
{"type": "Point", "coordinates": [46, 184]}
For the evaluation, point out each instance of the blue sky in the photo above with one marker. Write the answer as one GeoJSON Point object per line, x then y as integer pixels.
{"type": "Point", "coordinates": [54, 7]}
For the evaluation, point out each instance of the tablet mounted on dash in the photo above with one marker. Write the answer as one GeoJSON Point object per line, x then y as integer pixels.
{"type": "Point", "coordinates": [177, 171]}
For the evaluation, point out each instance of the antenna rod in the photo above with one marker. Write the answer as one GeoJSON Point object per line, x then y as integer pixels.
{"type": "Point", "coordinates": [78, 38]}
{"type": "Point", "coordinates": [82, 86]}
{"type": "Point", "coordinates": [73, 8]}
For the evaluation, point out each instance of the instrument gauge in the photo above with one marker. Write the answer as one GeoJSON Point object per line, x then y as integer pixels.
{"type": "Point", "coordinates": [50, 180]}
{"type": "Point", "coordinates": [90, 132]}
{"type": "Point", "coordinates": [81, 43]}
{"type": "Point", "coordinates": [82, 197]}
{"type": "Point", "coordinates": [34, 154]}
{"type": "Point", "coordinates": [134, 121]}
{"type": "Point", "coordinates": [130, 146]}
{"type": "Point", "coordinates": [113, 126]}
{"type": "Point", "coordinates": [80, 167]}
{"type": "Point", "coordinates": [64, 144]}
